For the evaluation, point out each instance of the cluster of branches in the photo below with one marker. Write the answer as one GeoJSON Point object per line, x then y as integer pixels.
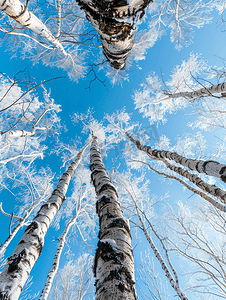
{"type": "Point", "coordinates": [59, 34]}
{"type": "Point", "coordinates": [194, 83]}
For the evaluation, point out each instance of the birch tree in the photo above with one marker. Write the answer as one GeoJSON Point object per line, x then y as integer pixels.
{"type": "Point", "coordinates": [194, 84]}
{"type": "Point", "coordinates": [82, 220]}
{"type": "Point", "coordinates": [22, 15]}
{"type": "Point", "coordinates": [143, 211]}
{"type": "Point", "coordinates": [20, 263]}
{"type": "Point", "coordinates": [114, 262]}
{"type": "Point", "coordinates": [121, 123]}
{"type": "Point", "coordinates": [29, 188]}
{"type": "Point", "coordinates": [25, 119]}
{"type": "Point", "coordinates": [115, 24]}
{"type": "Point", "coordinates": [49, 33]}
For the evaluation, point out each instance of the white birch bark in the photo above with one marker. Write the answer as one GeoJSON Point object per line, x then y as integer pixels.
{"type": "Point", "coordinates": [195, 191]}
{"type": "Point", "coordinates": [20, 263]}
{"type": "Point", "coordinates": [22, 222]}
{"type": "Point", "coordinates": [206, 91]}
{"type": "Point", "coordinates": [21, 132]}
{"type": "Point", "coordinates": [208, 167]}
{"type": "Point", "coordinates": [56, 261]}
{"type": "Point", "coordinates": [114, 262]}
{"type": "Point", "coordinates": [173, 282]}
{"type": "Point", "coordinates": [209, 188]}
{"type": "Point", "coordinates": [117, 35]}
{"type": "Point", "coordinates": [16, 10]}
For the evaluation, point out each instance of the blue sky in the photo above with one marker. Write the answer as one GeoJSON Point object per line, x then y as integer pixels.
{"type": "Point", "coordinates": [75, 97]}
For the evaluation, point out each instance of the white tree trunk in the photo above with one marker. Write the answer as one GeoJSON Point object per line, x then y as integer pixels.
{"type": "Point", "coordinates": [20, 263]}
{"type": "Point", "coordinates": [166, 270]}
{"type": "Point", "coordinates": [56, 261]}
{"type": "Point", "coordinates": [117, 35]}
{"type": "Point", "coordinates": [209, 167]}
{"type": "Point", "coordinates": [114, 262]}
{"type": "Point", "coordinates": [16, 10]}
{"type": "Point", "coordinates": [22, 222]}
{"type": "Point", "coordinates": [209, 188]}
{"type": "Point", "coordinates": [189, 187]}
{"type": "Point", "coordinates": [214, 89]}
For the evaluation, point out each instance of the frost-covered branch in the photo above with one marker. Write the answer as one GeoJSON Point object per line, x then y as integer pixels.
{"type": "Point", "coordinates": [16, 10]}
{"type": "Point", "coordinates": [198, 234]}
{"type": "Point", "coordinates": [218, 205]}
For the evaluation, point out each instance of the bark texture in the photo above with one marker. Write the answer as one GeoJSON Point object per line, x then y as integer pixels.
{"type": "Point", "coordinates": [16, 10]}
{"type": "Point", "coordinates": [160, 155]}
{"type": "Point", "coordinates": [206, 91]}
{"type": "Point", "coordinates": [195, 191]}
{"type": "Point", "coordinates": [209, 167]}
{"type": "Point", "coordinates": [20, 263]}
{"type": "Point", "coordinates": [115, 22]}
{"type": "Point", "coordinates": [114, 261]}
{"type": "Point", "coordinates": [56, 261]}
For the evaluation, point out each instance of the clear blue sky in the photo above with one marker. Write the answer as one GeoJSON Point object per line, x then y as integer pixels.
{"type": "Point", "coordinates": [74, 97]}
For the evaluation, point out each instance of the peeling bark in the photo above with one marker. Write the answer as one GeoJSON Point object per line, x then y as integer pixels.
{"type": "Point", "coordinates": [114, 262]}
{"type": "Point", "coordinates": [115, 22]}
{"type": "Point", "coordinates": [208, 167]}
{"type": "Point", "coordinates": [20, 263]}
{"type": "Point", "coordinates": [16, 10]}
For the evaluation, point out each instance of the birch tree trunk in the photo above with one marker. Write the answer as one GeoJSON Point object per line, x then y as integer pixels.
{"type": "Point", "coordinates": [16, 10]}
{"type": "Point", "coordinates": [20, 263]}
{"type": "Point", "coordinates": [209, 167]}
{"type": "Point", "coordinates": [173, 282]}
{"type": "Point", "coordinates": [114, 262]}
{"type": "Point", "coordinates": [56, 261]}
{"type": "Point", "coordinates": [214, 89]}
{"type": "Point", "coordinates": [115, 23]}
{"type": "Point", "coordinates": [22, 222]}
{"type": "Point", "coordinates": [189, 187]}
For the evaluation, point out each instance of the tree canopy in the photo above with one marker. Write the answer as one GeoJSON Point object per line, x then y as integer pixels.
{"type": "Point", "coordinates": [113, 170]}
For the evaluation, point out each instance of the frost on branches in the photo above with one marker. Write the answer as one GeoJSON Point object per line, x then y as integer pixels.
{"type": "Point", "coordinates": [193, 84]}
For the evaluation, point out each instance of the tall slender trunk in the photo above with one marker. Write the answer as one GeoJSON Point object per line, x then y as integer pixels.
{"type": "Point", "coordinates": [52, 272]}
{"type": "Point", "coordinates": [189, 187]}
{"type": "Point", "coordinates": [114, 262]}
{"type": "Point", "coordinates": [208, 167]}
{"type": "Point", "coordinates": [206, 91]}
{"type": "Point", "coordinates": [16, 10]}
{"type": "Point", "coordinates": [20, 263]}
{"type": "Point", "coordinates": [173, 282]}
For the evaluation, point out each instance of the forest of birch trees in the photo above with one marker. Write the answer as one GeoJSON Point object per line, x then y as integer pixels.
{"type": "Point", "coordinates": [112, 143]}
